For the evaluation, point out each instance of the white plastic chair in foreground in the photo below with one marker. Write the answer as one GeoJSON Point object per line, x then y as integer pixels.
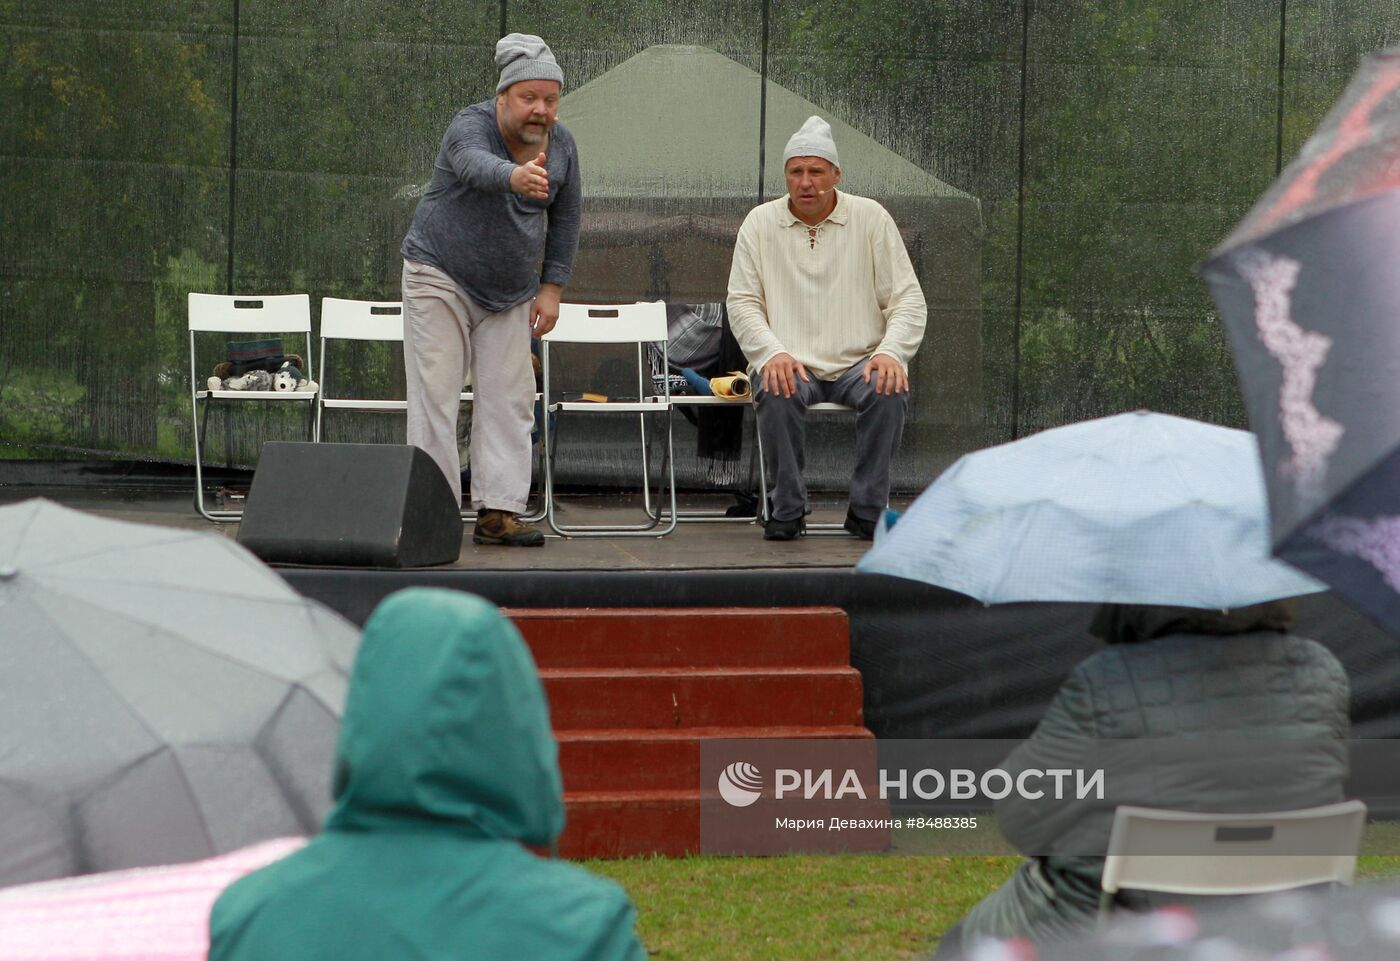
{"type": "Point", "coordinates": [1230, 854]}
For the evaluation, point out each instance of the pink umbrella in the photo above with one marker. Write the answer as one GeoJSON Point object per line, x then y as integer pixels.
{"type": "Point", "coordinates": [142, 914]}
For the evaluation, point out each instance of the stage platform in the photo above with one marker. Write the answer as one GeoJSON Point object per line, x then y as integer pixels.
{"type": "Point", "coordinates": [934, 663]}
{"type": "Point", "coordinates": [693, 546]}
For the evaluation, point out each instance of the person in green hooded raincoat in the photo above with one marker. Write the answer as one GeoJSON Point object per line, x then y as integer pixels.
{"type": "Point", "coordinates": [445, 770]}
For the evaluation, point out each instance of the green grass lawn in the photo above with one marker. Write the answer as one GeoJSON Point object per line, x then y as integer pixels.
{"type": "Point", "coordinates": [866, 907]}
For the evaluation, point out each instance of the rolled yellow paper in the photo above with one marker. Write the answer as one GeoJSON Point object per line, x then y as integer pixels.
{"type": "Point", "coordinates": [734, 386]}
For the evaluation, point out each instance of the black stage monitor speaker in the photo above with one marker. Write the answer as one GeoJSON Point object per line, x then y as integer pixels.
{"type": "Point", "coordinates": [360, 505]}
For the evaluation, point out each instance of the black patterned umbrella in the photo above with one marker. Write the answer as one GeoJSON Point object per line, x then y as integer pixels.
{"type": "Point", "coordinates": [1309, 288]}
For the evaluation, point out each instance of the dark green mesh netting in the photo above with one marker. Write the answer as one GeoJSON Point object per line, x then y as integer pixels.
{"type": "Point", "coordinates": [1057, 169]}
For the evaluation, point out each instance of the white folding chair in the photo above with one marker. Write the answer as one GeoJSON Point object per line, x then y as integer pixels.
{"type": "Point", "coordinates": [365, 320]}
{"type": "Point", "coordinates": [718, 516]}
{"type": "Point", "coordinates": [1190, 853]}
{"type": "Point", "coordinates": [265, 315]}
{"type": "Point", "coordinates": [638, 325]}
{"type": "Point", "coordinates": [360, 320]}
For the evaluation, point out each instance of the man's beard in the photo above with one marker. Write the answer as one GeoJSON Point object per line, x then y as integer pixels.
{"type": "Point", "coordinates": [532, 133]}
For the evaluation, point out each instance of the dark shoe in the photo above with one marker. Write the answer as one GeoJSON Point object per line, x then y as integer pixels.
{"type": "Point", "coordinates": [504, 528]}
{"type": "Point", "coordinates": [776, 530]}
{"type": "Point", "coordinates": [865, 530]}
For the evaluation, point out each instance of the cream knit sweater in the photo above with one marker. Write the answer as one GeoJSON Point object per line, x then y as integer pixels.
{"type": "Point", "coordinates": [830, 295]}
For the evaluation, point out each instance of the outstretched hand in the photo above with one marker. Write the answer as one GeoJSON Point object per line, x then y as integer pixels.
{"type": "Point", "coordinates": [531, 179]}
{"type": "Point", "coordinates": [887, 374]}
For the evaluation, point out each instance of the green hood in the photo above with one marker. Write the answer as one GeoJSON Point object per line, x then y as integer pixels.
{"type": "Point", "coordinates": [446, 725]}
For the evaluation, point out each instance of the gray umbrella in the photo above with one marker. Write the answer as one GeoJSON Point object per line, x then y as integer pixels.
{"type": "Point", "coordinates": [164, 696]}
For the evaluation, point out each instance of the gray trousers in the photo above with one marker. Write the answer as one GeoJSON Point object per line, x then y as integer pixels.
{"type": "Point", "coordinates": [782, 424]}
{"type": "Point", "coordinates": [446, 335]}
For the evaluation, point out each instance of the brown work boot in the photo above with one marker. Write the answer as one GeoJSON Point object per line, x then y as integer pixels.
{"type": "Point", "coordinates": [505, 528]}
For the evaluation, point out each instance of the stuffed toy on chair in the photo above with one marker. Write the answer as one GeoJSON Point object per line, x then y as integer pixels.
{"type": "Point", "coordinates": [225, 369]}
{"type": "Point", "coordinates": [252, 380]}
{"type": "Point", "coordinates": [287, 377]}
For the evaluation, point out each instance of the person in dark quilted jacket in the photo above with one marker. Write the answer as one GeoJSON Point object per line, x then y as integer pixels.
{"type": "Point", "coordinates": [1243, 717]}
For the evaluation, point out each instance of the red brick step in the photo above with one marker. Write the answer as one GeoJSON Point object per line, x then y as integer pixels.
{"type": "Point", "coordinates": [634, 693]}
{"type": "Point", "coordinates": [638, 759]}
{"type": "Point", "coordinates": [703, 697]}
{"type": "Point", "coordinates": [624, 824]}
{"type": "Point", "coordinates": [684, 637]}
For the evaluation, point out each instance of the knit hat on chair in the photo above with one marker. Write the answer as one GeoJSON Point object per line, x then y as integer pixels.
{"type": "Point", "coordinates": [524, 56]}
{"type": "Point", "coordinates": [813, 140]}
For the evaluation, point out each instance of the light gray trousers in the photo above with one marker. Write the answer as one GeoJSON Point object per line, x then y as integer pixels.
{"type": "Point", "coordinates": [782, 421]}
{"type": "Point", "coordinates": [447, 335]}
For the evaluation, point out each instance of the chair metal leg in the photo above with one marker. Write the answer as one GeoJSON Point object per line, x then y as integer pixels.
{"type": "Point", "coordinates": [199, 426]}
{"type": "Point", "coordinates": [642, 426]}
{"type": "Point", "coordinates": [655, 514]}
{"type": "Point", "coordinates": [760, 511]}
{"type": "Point", "coordinates": [762, 471]}
{"type": "Point", "coordinates": [542, 508]}
{"type": "Point", "coordinates": [547, 464]}
{"type": "Point", "coordinates": [646, 474]}
{"type": "Point", "coordinates": [648, 529]}
{"type": "Point", "coordinates": [671, 461]}
{"type": "Point", "coordinates": [721, 516]}
{"type": "Point", "coordinates": [201, 419]}
{"type": "Point", "coordinates": [202, 424]}
{"type": "Point", "coordinates": [537, 451]}
{"type": "Point", "coordinates": [665, 463]}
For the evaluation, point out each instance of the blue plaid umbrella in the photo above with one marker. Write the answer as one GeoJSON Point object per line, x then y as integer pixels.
{"type": "Point", "coordinates": [1133, 509]}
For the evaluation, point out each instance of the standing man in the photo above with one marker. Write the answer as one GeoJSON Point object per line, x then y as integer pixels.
{"type": "Point", "coordinates": [491, 247]}
{"type": "Point", "coordinates": [824, 302]}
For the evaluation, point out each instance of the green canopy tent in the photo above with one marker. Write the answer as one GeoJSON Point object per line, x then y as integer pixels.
{"type": "Point", "coordinates": [669, 147]}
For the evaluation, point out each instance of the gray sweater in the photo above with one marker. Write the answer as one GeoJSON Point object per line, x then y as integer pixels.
{"type": "Point", "coordinates": [489, 240]}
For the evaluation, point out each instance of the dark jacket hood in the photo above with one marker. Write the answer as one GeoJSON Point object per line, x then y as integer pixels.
{"type": "Point", "coordinates": [446, 726]}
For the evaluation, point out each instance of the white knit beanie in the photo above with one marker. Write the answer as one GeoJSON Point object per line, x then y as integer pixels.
{"type": "Point", "coordinates": [813, 140]}
{"type": "Point", "coordinates": [524, 56]}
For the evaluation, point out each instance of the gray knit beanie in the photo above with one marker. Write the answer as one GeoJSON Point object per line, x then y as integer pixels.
{"type": "Point", "coordinates": [524, 56]}
{"type": "Point", "coordinates": [813, 140]}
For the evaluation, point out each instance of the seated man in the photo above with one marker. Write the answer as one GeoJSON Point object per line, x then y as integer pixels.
{"type": "Point", "coordinates": [824, 302]}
